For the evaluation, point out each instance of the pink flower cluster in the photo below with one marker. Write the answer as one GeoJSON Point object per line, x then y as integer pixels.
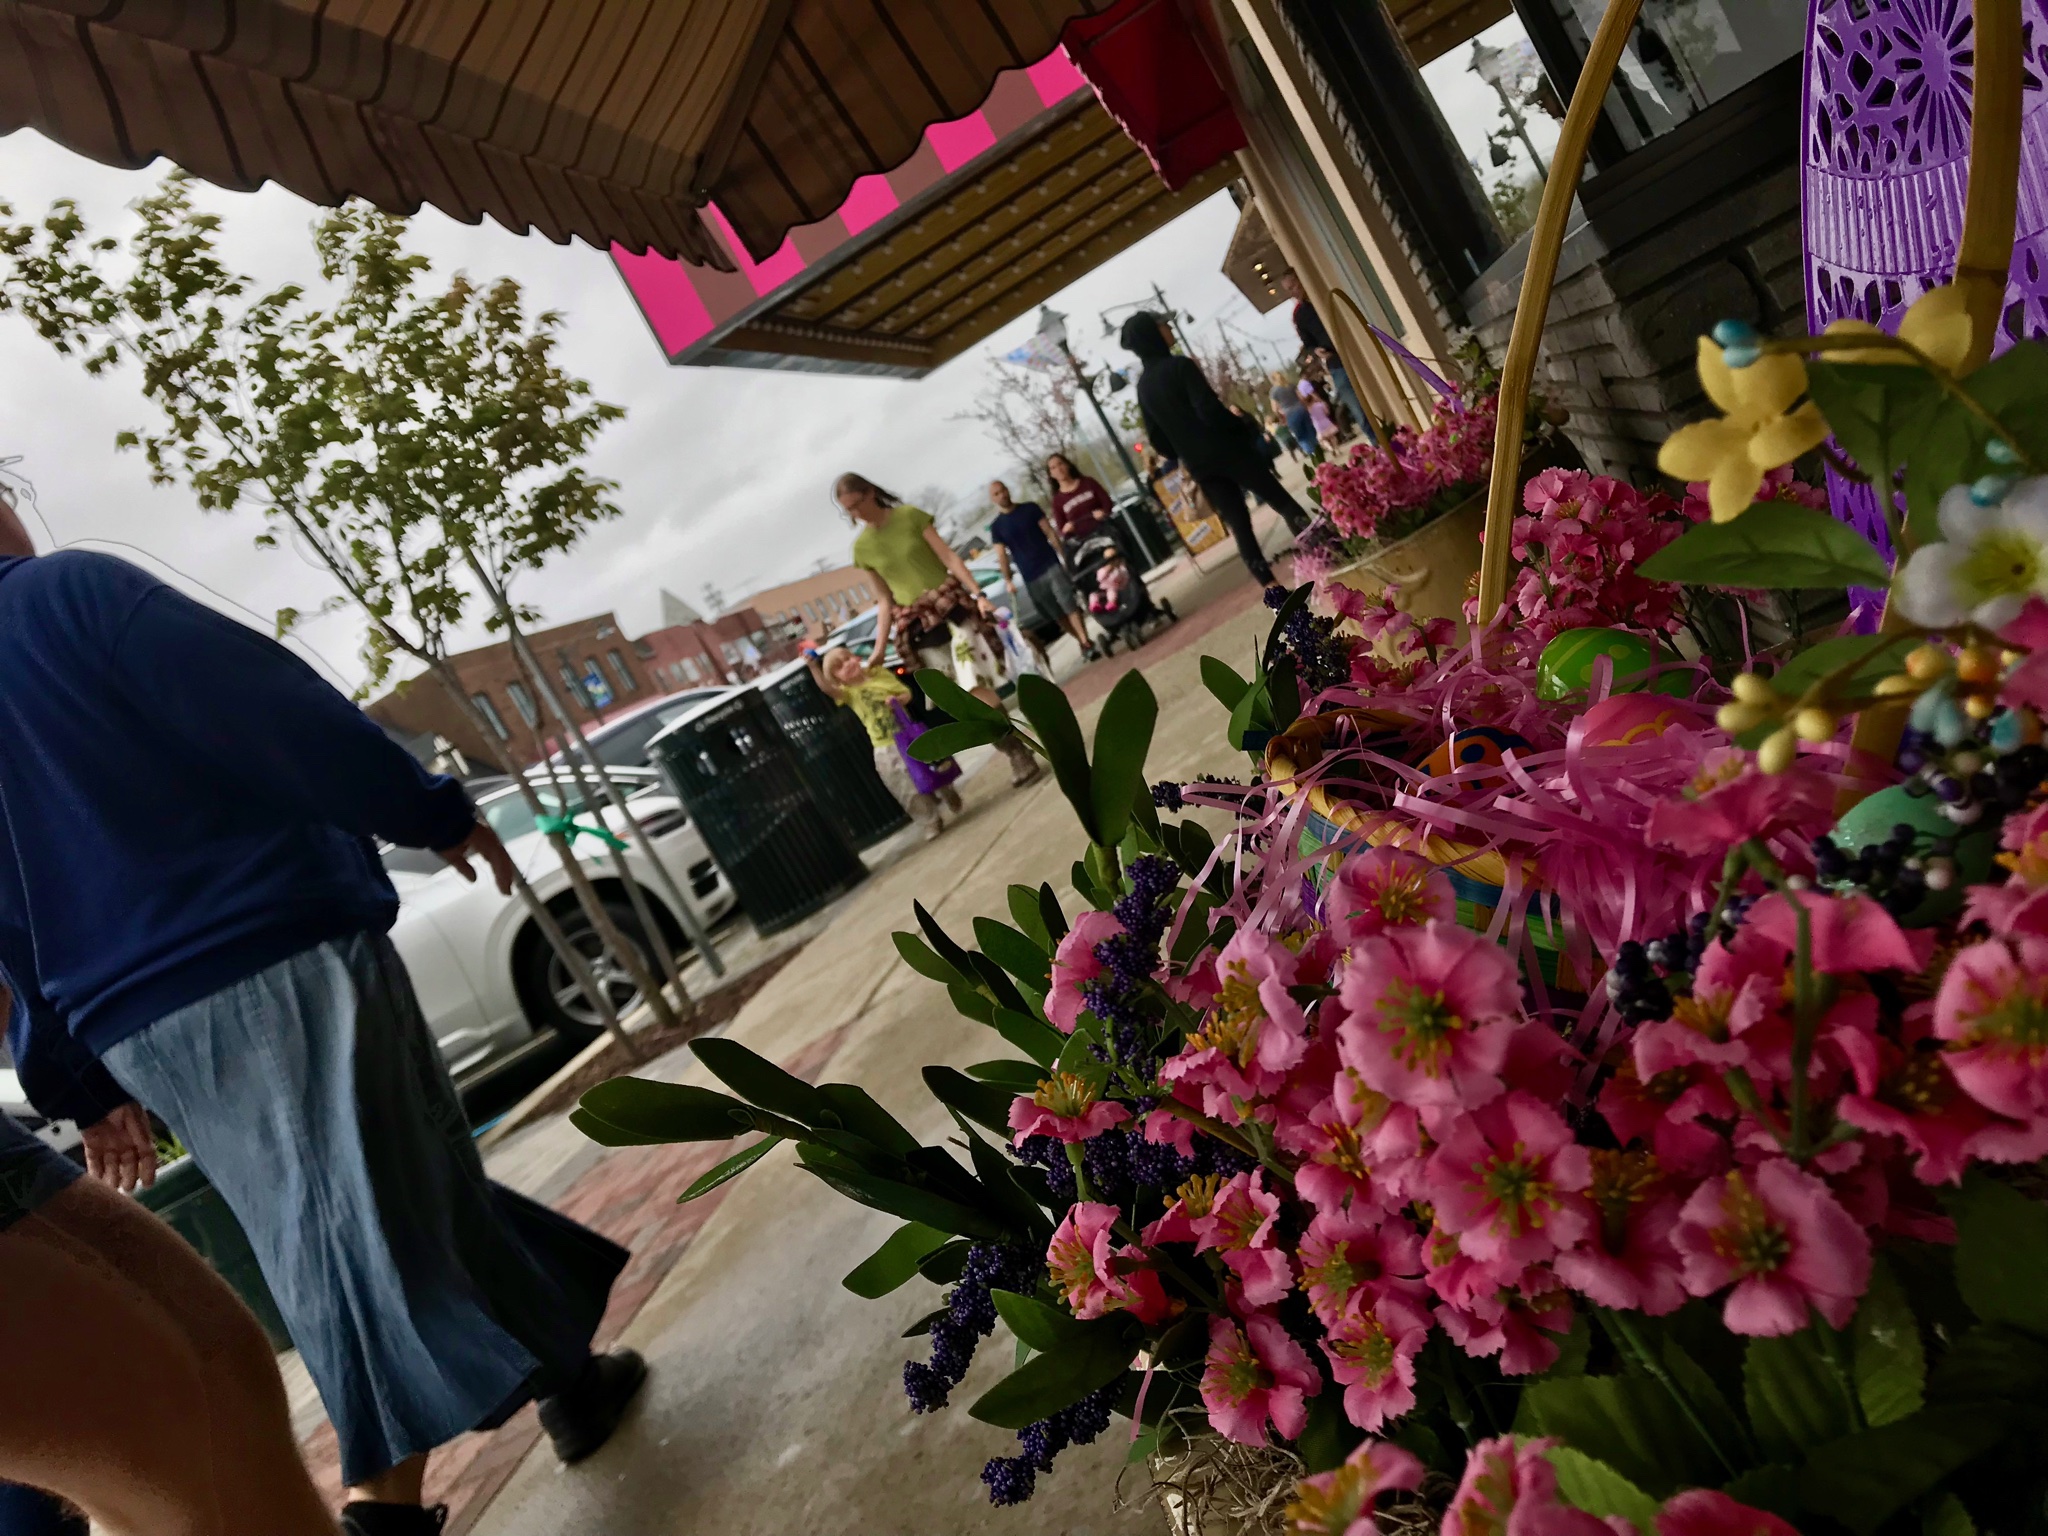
{"type": "Point", "coordinates": [1577, 547]}
{"type": "Point", "coordinates": [1779, 485]}
{"type": "Point", "coordinates": [1454, 451]}
{"type": "Point", "coordinates": [1446, 1160]}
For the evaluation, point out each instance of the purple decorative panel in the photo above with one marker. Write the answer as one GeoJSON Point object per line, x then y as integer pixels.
{"type": "Point", "coordinates": [1885, 165]}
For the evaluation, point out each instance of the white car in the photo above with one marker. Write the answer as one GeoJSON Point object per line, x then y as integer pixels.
{"type": "Point", "coordinates": [487, 981]}
{"type": "Point", "coordinates": [60, 1134]}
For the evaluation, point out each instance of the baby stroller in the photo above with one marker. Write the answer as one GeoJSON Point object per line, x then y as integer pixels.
{"type": "Point", "coordinates": [1116, 595]}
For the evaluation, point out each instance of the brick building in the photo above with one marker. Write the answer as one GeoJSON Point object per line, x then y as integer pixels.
{"type": "Point", "coordinates": [818, 603]}
{"type": "Point", "coordinates": [731, 648]}
{"type": "Point", "coordinates": [592, 667]}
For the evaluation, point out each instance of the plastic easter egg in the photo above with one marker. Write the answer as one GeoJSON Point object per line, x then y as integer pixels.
{"type": "Point", "coordinates": [1566, 665]}
{"type": "Point", "coordinates": [1623, 719]}
{"type": "Point", "coordinates": [1474, 745]}
{"type": "Point", "coordinates": [1871, 820]}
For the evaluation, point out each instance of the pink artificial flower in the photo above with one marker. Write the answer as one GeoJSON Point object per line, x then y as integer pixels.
{"type": "Point", "coordinates": [1781, 1238]}
{"type": "Point", "coordinates": [1732, 802]}
{"type": "Point", "coordinates": [1256, 1375]}
{"type": "Point", "coordinates": [1165, 1129]}
{"type": "Point", "coordinates": [1386, 888]}
{"type": "Point", "coordinates": [1993, 1009]}
{"type": "Point", "coordinates": [1098, 1278]}
{"type": "Point", "coordinates": [1234, 1217]}
{"type": "Point", "coordinates": [1909, 1090]}
{"type": "Point", "coordinates": [1074, 966]}
{"type": "Point", "coordinates": [1372, 1347]}
{"type": "Point", "coordinates": [1661, 1111]}
{"type": "Point", "coordinates": [1064, 1107]}
{"type": "Point", "coordinates": [1522, 1323]}
{"type": "Point", "coordinates": [2027, 683]}
{"type": "Point", "coordinates": [1511, 1490]}
{"type": "Point", "coordinates": [1347, 1257]}
{"type": "Point", "coordinates": [1631, 1263]}
{"type": "Point", "coordinates": [1507, 1180]}
{"type": "Point", "coordinates": [1427, 1014]}
{"type": "Point", "coordinates": [1340, 1503]}
{"type": "Point", "coordinates": [1850, 933]}
{"type": "Point", "coordinates": [1710, 1512]}
{"type": "Point", "coordinates": [1255, 1032]}
{"type": "Point", "coordinates": [1356, 1147]}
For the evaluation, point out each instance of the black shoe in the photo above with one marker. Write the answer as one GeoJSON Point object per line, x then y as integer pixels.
{"type": "Point", "coordinates": [581, 1418]}
{"type": "Point", "coordinates": [364, 1518]}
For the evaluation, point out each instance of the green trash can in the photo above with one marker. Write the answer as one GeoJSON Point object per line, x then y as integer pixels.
{"type": "Point", "coordinates": [185, 1200]}
{"type": "Point", "coordinates": [736, 772]}
{"type": "Point", "coordinates": [835, 755]}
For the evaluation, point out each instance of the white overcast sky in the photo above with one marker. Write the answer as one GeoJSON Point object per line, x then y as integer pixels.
{"type": "Point", "coordinates": [723, 473]}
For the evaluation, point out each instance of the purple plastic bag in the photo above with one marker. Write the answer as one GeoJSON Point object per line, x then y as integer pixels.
{"type": "Point", "coordinates": [925, 778]}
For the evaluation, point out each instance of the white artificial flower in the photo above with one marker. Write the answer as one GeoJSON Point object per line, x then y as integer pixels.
{"type": "Point", "coordinates": [1990, 560]}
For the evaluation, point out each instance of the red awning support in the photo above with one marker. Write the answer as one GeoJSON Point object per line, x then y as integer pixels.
{"type": "Point", "coordinates": [1149, 68]}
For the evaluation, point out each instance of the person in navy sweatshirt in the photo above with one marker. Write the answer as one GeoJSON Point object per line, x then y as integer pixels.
{"type": "Point", "coordinates": [186, 822]}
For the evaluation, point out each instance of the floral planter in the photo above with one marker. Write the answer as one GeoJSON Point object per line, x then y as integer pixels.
{"type": "Point", "coordinates": [1432, 566]}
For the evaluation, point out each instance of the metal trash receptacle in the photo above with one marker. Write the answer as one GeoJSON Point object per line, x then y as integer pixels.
{"type": "Point", "coordinates": [1144, 534]}
{"type": "Point", "coordinates": [737, 773]}
{"type": "Point", "coordinates": [835, 756]}
{"type": "Point", "coordinates": [184, 1199]}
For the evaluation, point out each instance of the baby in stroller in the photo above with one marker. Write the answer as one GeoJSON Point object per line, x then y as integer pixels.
{"type": "Point", "coordinates": [1117, 596]}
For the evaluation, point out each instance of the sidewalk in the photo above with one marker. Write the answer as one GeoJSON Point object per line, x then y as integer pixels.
{"type": "Point", "coordinates": [775, 1403]}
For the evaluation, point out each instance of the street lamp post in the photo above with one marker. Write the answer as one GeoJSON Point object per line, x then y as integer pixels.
{"type": "Point", "coordinates": [1501, 69]}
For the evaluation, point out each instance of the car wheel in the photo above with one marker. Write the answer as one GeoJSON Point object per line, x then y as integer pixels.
{"type": "Point", "coordinates": [550, 990]}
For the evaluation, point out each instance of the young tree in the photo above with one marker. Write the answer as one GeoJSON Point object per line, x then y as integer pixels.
{"type": "Point", "coordinates": [1030, 412]}
{"type": "Point", "coordinates": [319, 419]}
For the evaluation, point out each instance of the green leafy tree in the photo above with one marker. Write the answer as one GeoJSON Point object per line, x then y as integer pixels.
{"type": "Point", "coordinates": [333, 423]}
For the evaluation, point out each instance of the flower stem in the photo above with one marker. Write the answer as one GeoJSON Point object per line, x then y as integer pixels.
{"type": "Point", "coordinates": [1631, 1341]}
{"type": "Point", "coordinates": [1229, 1136]}
{"type": "Point", "coordinates": [1838, 1364]}
{"type": "Point", "coordinates": [1075, 1159]}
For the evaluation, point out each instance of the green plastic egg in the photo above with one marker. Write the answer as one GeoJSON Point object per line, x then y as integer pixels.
{"type": "Point", "coordinates": [1566, 665]}
{"type": "Point", "coordinates": [1871, 820]}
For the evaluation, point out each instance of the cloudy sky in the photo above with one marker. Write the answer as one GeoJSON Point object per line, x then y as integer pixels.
{"type": "Point", "coordinates": [723, 473]}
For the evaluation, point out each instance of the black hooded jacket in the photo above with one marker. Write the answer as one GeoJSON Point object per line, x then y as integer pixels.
{"type": "Point", "coordinates": [1183, 418]}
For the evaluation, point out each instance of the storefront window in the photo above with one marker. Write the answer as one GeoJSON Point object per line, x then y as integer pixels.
{"type": "Point", "coordinates": [1684, 56]}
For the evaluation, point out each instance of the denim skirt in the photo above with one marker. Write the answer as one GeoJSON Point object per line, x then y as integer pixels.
{"type": "Point", "coordinates": [29, 1172]}
{"type": "Point", "coordinates": [425, 1300]}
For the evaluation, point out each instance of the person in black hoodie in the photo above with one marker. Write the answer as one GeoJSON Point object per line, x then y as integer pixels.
{"type": "Point", "coordinates": [1223, 451]}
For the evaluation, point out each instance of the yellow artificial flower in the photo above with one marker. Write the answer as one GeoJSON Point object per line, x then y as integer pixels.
{"type": "Point", "coordinates": [1760, 431]}
{"type": "Point", "coordinates": [1938, 324]}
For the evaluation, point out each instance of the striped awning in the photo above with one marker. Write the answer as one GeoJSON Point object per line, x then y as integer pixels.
{"type": "Point", "coordinates": [612, 120]}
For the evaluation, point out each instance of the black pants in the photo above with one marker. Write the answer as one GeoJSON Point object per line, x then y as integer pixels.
{"type": "Point", "coordinates": [1226, 494]}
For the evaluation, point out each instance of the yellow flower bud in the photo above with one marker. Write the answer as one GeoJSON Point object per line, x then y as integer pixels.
{"type": "Point", "coordinates": [1979, 706]}
{"type": "Point", "coordinates": [1896, 684]}
{"type": "Point", "coordinates": [1776, 754]}
{"type": "Point", "coordinates": [1976, 665]}
{"type": "Point", "coordinates": [1752, 689]}
{"type": "Point", "coordinates": [1735, 718]}
{"type": "Point", "coordinates": [1814, 724]}
{"type": "Point", "coordinates": [1927, 662]}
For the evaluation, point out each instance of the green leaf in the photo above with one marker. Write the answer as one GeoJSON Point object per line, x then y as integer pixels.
{"type": "Point", "coordinates": [2013, 387]}
{"type": "Point", "coordinates": [1774, 1488]}
{"type": "Point", "coordinates": [1049, 912]}
{"type": "Point", "coordinates": [944, 741]}
{"type": "Point", "coordinates": [1016, 1076]}
{"type": "Point", "coordinates": [919, 957]}
{"type": "Point", "coordinates": [1795, 1401]}
{"type": "Point", "coordinates": [1863, 1479]}
{"type": "Point", "coordinates": [1283, 693]}
{"type": "Point", "coordinates": [1052, 716]}
{"type": "Point", "coordinates": [947, 948]}
{"type": "Point", "coordinates": [1014, 953]}
{"type": "Point", "coordinates": [1629, 1422]}
{"type": "Point", "coordinates": [1145, 819]}
{"type": "Point", "coordinates": [1036, 1039]}
{"type": "Point", "coordinates": [1025, 913]}
{"type": "Point", "coordinates": [900, 1199]}
{"type": "Point", "coordinates": [956, 701]}
{"type": "Point", "coordinates": [1948, 1517]}
{"type": "Point", "coordinates": [1194, 849]}
{"type": "Point", "coordinates": [1254, 712]}
{"type": "Point", "coordinates": [758, 1080]}
{"type": "Point", "coordinates": [1221, 679]}
{"type": "Point", "coordinates": [981, 1102]}
{"type": "Point", "coordinates": [1296, 600]}
{"type": "Point", "coordinates": [1058, 1379]}
{"type": "Point", "coordinates": [1775, 544]}
{"type": "Point", "coordinates": [729, 1170]}
{"type": "Point", "coordinates": [1871, 407]}
{"type": "Point", "coordinates": [1599, 1490]}
{"type": "Point", "coordinates": [1990, 1362]}
{"type": "Point", "coordinates": [998, 1177]}
{"type": "Point", "coordinates": [945, 1264]}
{"type": "Point", "coordinates": [1123, 737]}
{"type": "Point", "coordinates": [1041, 1326]}
{"type": "Point", "coordinates": [1889, 1363]}
{"type": "Point", "coordinates": [859, 1113]}
{"type": "Point", "coordinates": [970, 1002]}
{"type": "Point", "coordinates": [636, 1111]}
{"type": "Point", "coordinates": [1328, 1437]}
{"type": "Point", "coordinates": [892, 1264]}
{"type": "Point", "coordinates": [2001, 1253]}
{"type": "Point", "coordinates": [1864, 661]}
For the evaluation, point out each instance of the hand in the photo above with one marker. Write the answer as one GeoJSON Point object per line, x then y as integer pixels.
{"type": "Point", "coordinates": [120, 1151]}
{"type": "Point", "coordinates": [482, 842]}
{"type": "Point", "coordinates": [988, 609]}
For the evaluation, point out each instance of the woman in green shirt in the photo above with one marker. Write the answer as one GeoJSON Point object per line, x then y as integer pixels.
{"type": "Point", "coordinates": [930, 605]}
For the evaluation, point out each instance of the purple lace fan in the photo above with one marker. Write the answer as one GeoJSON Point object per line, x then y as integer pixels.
{"type": "Point", "coordinates": [1885, 166]}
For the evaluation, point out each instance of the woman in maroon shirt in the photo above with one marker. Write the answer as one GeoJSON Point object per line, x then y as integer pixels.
{"type": "Point", "coordinates": [1079, 503]}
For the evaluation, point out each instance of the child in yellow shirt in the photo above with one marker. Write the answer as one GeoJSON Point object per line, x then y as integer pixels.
{"type": "Point", "coordinates": [872, 692]}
